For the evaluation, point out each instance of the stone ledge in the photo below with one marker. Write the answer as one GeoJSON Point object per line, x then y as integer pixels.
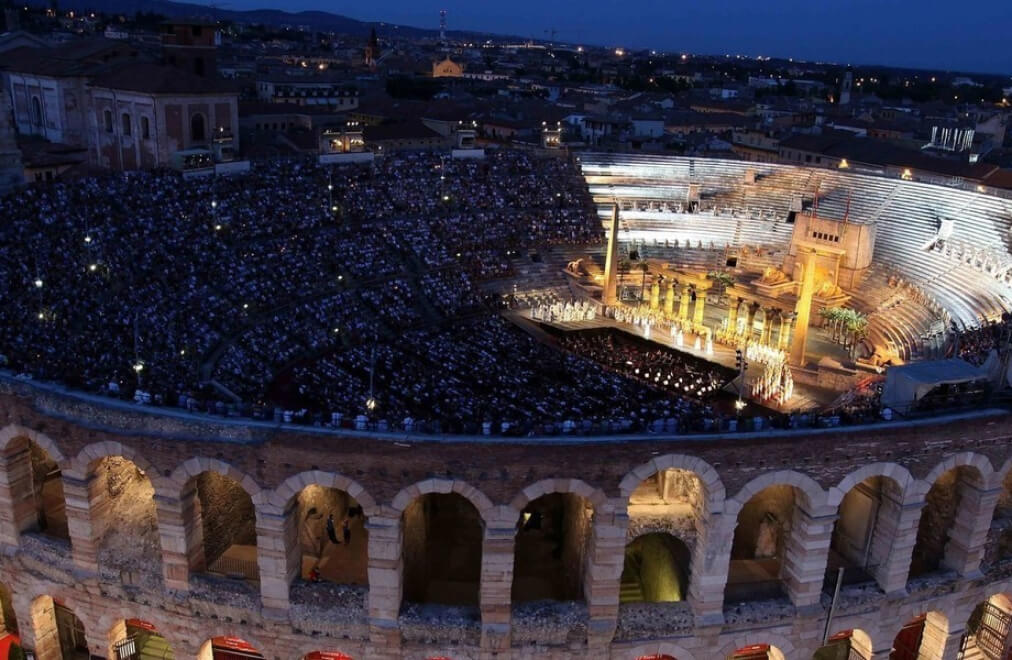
{"type": "Point", "coordinates": [638, 621]}
{"type": "Point", "coordinates": [440, 624]}
{"type": "Point", "coordinates": [549, 623]}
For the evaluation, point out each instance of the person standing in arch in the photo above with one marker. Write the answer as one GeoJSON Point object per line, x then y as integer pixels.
{"type": "Point", "coordinates": [332, 530]}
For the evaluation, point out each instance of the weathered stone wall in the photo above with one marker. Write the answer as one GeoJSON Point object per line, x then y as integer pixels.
{"type": "Point", "coordinates": [942, 503]}
{"type": "Point", "coordinates": [227, 514]}
{"type": "Point", "coordinates": [577, 518]}
{"type": "Point", "coordinates": [773, 508]}
{"type": "Point", "coordinates": [416, 562]}
{"type": "Point", "coordinates": [314, 504]}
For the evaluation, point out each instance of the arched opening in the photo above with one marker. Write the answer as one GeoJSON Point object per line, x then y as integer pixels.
{"type": "Point", "coordinates": [58, 631]}
{"type": "Point", "coordinates": [36, 111]}
{"type": "Point", "coordinates": [50, 506]}
{"type": "Point", "coordinates": [145, 128]}
{"type": "Point", "coordinates": [197, 128]}
{"type": "Point", "coordinates": [760, 541]}
{"type": "Point", "coordinates": [127, 125]}
{"type": "Point", "coordinates": [333, 540]}
{"type": "Point", "coordinates": [667, 512]}
{"type": "Point", "coordinates": [135, 639]}
{"type": "Point", "coordinates": [550, 549]}
{"type": "Point", "coordinates": [845, 645]}
{"type": "Point", "coordinates": [107, 120]}
{"type": "Point", "coordinates": [941, 507]}
{"type": "Point", "coordinates": [656, 569]}
{"type": "Point", "coordinates": [860, 545]}
{"type": "Point", "coordinates": [757, 652]}
{"type": "Point", "coordinates": [124, 518]}
{"type": "Point", "coordinates": [443, 534]}
{"type": "Point", "coordinates": [228, 648]}
{"type": "Point", "coordinates": [326, 655]}
{"type": "Point", "coordinates": [221, 537]}
{"type": "Point", "coordinates": [907, 644]}
{"type": "Point", "coordinates": [987, 630]}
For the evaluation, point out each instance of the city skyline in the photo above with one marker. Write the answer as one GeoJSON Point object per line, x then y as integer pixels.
{"type": "Point", "coordinates": [860, 33]}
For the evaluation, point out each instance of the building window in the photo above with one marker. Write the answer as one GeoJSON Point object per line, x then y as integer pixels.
{"type": "Point", "coordinates": [198, 66]}
{"type": "Point", "coordinates": [145, 128]}
{"type": "Point", "coordinates": [197, 128]}
{"type": "Point", "coordinates": [36, 111]}
{"type": "Point", "coordinates": [196, 30]}
{"type": "Point", "coordinates": [107, 120]}
{"type": "Point", "coordinates": [127, 129]}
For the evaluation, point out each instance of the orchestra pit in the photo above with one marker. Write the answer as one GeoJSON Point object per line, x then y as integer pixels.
{"type": "Point", "coordinates": [534, 405]}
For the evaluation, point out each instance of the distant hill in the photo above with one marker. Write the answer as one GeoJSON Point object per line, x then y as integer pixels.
{"type": "Point", "coordinates": [317, 20]}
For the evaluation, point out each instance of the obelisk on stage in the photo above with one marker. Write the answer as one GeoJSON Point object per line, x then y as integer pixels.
{"type": "Point", "coordinates": [611, 260]}
{"type": "Point", "coordinates": [803, 310]}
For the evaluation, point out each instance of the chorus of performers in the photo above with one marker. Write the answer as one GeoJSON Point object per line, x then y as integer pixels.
{"type": "Point", "coordinates": [775, 384]}
{"type": "Point", "coordinates": [558, 311]}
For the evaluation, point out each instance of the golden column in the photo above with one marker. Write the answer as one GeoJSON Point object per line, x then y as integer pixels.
{"type": "Point", "coordinates": [803, 310]}
{"type": "Point", "coordinates": [611, 260]}
{"type": "Point", "coordinates": [669, 300]}
{"type": "Point", "coordinates": [697, 313]}
{"type": "Point", "coordinates": [785, 331]}
{"type": "Point", "coordinates": [655, 295]}
{"type": "Point", "coordinates": [683, 303]}
{"type": "Point", "coordinates": [732, 315]}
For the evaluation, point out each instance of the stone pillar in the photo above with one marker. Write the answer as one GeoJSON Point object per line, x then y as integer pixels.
{"type": "Point", "coordinates": [941, 639]}
{"type": "Point", "coordinates": [17, 497]}
{"type": "Point", "coordinates": [804, 565]}
{"type": "Point", "coordinates": [82, 534]}
{"type": "Point", "coordinates": [611, 260]}
{"type": "Point", "coordinates": [605, 559]}
{"type": "Point", "coordinates": [750, 321]}
{"type": "Point", "coordinates": [683, 303]}
{"type": "Point", "coordinates": [710, 563]}
{"type": "Point", "coordinates": [117, 633]}
{"type": "Point", "coordinates": [697, 315]}
{"type": "Point", "coordinates": [43, 624]}
{"type": "Point", "coordinates": [669, 300]}
{"type": "Point", "coordinates": [279, 556]}
{"type": "Point", "coordinates": [386, 574]}
{"type": "Point", "coordinates": [803, 310]}
{"type": "Point", "coordinates": [785, 331]}
{"type": "Point", "coordinates": [968, 536]}
{"type": "Point", "coordinates": [175, 539]}
{"type": "Point", "coordinates": [655, 295]}
{"type": "Point", "coordinates": [892, 543]}
{"type": "Point", "coordinates": [732, 316]}
{"type": "Point", "coordinates": [497, 581]}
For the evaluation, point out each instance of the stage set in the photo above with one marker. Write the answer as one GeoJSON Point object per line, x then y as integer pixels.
{"type": "Point", "coordinates": [789, 320]}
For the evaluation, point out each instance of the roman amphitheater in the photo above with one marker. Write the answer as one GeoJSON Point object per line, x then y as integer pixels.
{"type": "Point", "coordinates": [404, 434]}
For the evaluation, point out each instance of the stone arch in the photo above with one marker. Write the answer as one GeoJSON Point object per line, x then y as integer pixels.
{"type": "Point", "coordinates": [552, 541]}
{"type": "Point", "coordinates": [656, 648]}
{"type": "Point", "coordinates": [194, 467]}
{"type": "Point", "coordinates": [407, 495]}
{"type": "Point", "coordinates": [924, 634]}
{"type": "Point", "coordinates": [978, 462]}
{"type": "Point", "coordinates": [225, 531]}
{"type": "Point", "coordinates": [281, 496]}
{"type": "Point", "coordinates": [443, 524]}
{"type": "Point", "coordinates": [715, 492]}
{"type": "Point", "coordinates": [82, 461]}
{"type": "Point", "coordinates": [657, 568]}
{"type": "Point", "coordinates": [346, 648]}
{"type": "Point", "coordinates": [894, 471]}
{"type": "Point", "coordinates": [595, 496]}
{"type": "Point", "coordinates": [301, 512]}
{"type": "Point", "coordinates": [13, 431]}
{"type": "Point", "coordinates": [56, 626]}
{"type": "Point", "coordinates": [813, 494]}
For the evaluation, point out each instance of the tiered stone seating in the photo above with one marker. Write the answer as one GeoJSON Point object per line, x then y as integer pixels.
{"type": "Point", "coordinates": [907, 215]}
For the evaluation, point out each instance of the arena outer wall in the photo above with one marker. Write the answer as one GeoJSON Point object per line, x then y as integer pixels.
{"type": "Point", "coordinates": [499, 476]}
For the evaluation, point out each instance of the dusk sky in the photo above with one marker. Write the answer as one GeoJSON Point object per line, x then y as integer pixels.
{"type": "Point", "coordinates": [920, 33]}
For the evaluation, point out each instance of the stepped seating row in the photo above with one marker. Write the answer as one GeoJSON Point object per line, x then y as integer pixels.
{"type": "Point", "coordinates": [908, 216]}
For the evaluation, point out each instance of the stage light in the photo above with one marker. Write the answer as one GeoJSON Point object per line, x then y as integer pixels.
{"type": "Point", "coordinates": [38, 283]}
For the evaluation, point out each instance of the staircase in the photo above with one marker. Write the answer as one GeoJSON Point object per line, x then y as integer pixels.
{"type": "Point", "coordinates": [630, 589]}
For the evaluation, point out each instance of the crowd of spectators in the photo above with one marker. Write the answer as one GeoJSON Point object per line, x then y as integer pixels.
{"type": "Point", "coordinates": [196, 290]}
{"type": "Point", "coordinates": [975, 344]}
